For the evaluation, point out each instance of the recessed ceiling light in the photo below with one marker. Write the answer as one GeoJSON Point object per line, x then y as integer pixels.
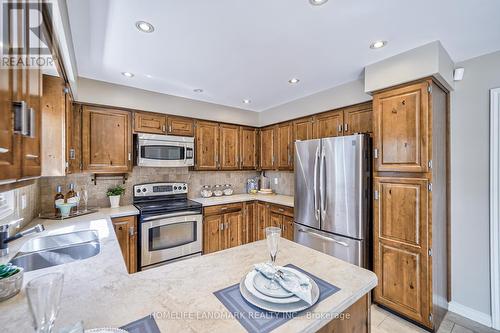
{"type": "Point", "coordinates": [378, 44]}
{"type": "Point", "coordinates": [293, 80]}
{"type": "Point", "coordinates": [198, 90]}
{"type": "Point", "coordinates": [247, 101]}
{"type": "Point", "coordinates": [144, 26]}
{"type": "Point", "coordinates": [317, 2]}
{"type": "Point", "coordinates": [149, 76]}
{"type": "Point", "coordinates": [127, 74]}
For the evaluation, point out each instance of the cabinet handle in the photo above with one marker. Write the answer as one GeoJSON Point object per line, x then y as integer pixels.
{"type": "Point", "coordinates": [129, 156]}
{"type": "Point", "coordinates": [3, 150]}
{"type": "Point", "coordinates": [20, 117]}
{"type": "Point", "coordinates": [340, 128]}
{"type": "Point", "coordinates": [223, 208]}
{"type": "Point", "coordinates": [163, 128]}
{"type": "Point", "coordinates": [375, 153]}
{"type": "Point", "coordinates": [226, 225]}
{"type": "Point", "coordinates": [221, 226]}
{"type": "Point", "coordinates": [281, 210]}
{"type": "Point", "coordinates": [346, 127]}
{"type": "Point", "coordinates": [131, 231]}
{"type": "Point", "coordinates": [31, 157]}
{"type": "Point", "coordinates": [169, 128]}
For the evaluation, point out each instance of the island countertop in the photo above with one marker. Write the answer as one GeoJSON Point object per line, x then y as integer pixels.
{"type": "Point", "coordinates": [99, 291]}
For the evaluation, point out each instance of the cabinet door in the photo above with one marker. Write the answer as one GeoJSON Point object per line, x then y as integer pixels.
{"type": "Point", "coordinates": [250, 225]}
{"type": "Point", "coordinates": [107, 140]}
{"type": "Point", "coordinates": [180, 126]}
{"type": "Point", "coordinates": [229, 147]}
{"type": "Point", "coordinates": [401, 130]}
{"type": "Point", "coordinates": [287, 227]}
{"type": "Point", "coordinates": [121, 226]}
{"type": "Point", "coordinates": [207, 145]}
{"type": "Point", "coordinates": [275, 220]}
{"type": "Point", "coordinates": [303, 129]}
{"type": "Point", "coordinates": [233, 228]}
{"type": "Point", "coordinates": [132, 228]}
{"type": "Point", "coordinates": [267, 149]}
{"type": "Point", "coordinates": [147, 122]}
{"type": "Point", "coordinates": [329, 124]}
{"type": "Point", "coordinates": [74, 136]}
{"type": "Point", "coordinates": [263, 213]}
{"type": "Point", "coordinates": [248, 148]}
{"type": "Point", "coordinates": [212, 229]}
{"type": "Point", "coordinates": [10, 143]}
{"type": "Point", "coordinates": [401, 235]}
{"type": "Point", "coordinates": [283, 145]}
{"type": "Point", "coordinates": [358, 119]}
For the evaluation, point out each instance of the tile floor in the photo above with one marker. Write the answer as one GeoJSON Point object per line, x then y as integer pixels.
{"type": "Point", "coordinates": [386, 322]}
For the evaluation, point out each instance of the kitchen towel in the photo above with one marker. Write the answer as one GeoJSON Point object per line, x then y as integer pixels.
{"type": "Point", "coordinates": [256, 320]}
{"type": "Point", "coordinates": [143, 325]}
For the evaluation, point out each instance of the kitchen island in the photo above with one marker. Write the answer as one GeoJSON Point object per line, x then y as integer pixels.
{"type": "Point", "coordinates": [100, 292]}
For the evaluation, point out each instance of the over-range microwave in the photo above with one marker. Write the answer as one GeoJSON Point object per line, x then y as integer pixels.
{"type": "Point", "coordinates": [155, 150]}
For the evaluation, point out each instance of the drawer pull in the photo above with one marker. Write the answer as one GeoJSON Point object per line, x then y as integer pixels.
{"type": "Point", "coordinates": [3, 150]}
{"type": "Point", "coordinates": [31, 157]}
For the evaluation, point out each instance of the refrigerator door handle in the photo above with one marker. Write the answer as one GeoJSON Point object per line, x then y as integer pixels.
{"type": "Point", "coordinates": [328, 239]}
{"type": "Point", "coordinates": [322, 185]}
{"type": "Point", "coordinates": [315, 186]}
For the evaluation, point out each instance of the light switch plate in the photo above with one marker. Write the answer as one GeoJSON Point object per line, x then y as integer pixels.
{"type": "Point", "coordinates": [23, 201]}
{"type": "Point", "coordinates": [275, 181]}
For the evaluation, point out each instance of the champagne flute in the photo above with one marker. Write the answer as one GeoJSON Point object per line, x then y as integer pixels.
{"type": "Point", "coordinates": [273, 235]}
{"type": "Point", "coordinates": [44, 297]}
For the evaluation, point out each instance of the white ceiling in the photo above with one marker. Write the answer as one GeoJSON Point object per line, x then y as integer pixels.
{"type": "Point", "coordinates": [237, 49]}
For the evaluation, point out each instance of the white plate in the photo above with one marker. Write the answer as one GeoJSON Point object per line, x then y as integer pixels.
{"type": "Point", "coordinates": [274, 307]}
{"type": "Point", "coordinates": [105, 330]}
{"type": "Point", "coordinates": [248, 281]}
{"type": "Point", "coordinates": [260, 282]}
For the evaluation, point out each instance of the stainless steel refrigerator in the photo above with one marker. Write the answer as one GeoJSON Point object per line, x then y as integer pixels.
{"type": "Point", "coordinates": [332, 188]}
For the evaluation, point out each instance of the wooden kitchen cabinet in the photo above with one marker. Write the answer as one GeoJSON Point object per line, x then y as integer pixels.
{"type": "Point", "coordinates": [222, 227]}
{"type": "Point", "coordinates": [229, 147]}
{"type": "Point", "coordinates": [212, 233]}
{"type": "Point", "coordinates": [267, 148]}
{"type": "Point", "coordinates": [249, 148]}
{"type": "Point", "coordinates": [401, 127]}
{"type": "Point", "coordinates": [207, 145]}
{"type": "Point", "coordinates": [329, 124]}
{"type": "Point", "coordinates": [180, 126]}
{"type": "Point", "coordinates": [303, 129]}
{"type": "Point", "coordinates": [401, 255]}
{"type": "Point", "coordinates": [263, 220]}
{"type": "Point", "coordinates": [282, 217]}
{"type": "Point", "coordinates": [74, 114]}
{"type": "Point", "coordinates": [284, 139]}
{"type": "Point", "coordinates": [106, 140]}
{"type": "Point", "coordinates": [358, 119]}
{"type": "Point", "coordinates": [126, 234]}
{"type": "Point", "coordinates": [148, 122]}
{"type": "Point", "coordinates": [250, 223]}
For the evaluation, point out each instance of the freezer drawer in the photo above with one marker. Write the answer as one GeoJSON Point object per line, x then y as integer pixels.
{"type": "Point", "coordinates": [347, 249]}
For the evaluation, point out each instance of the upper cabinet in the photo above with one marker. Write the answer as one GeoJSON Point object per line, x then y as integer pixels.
{"type": "Point", "coordinates": [267, 147]}
{"type": "Point", "coordinates": [283, 146]}
{"type": "Point", "coordinates": [358, 119]}
{"type": "Point", "coordinates": [303, 129]}
{"type": "Point", "coordinates": [401, 128]}
{"type": "Point", "coordinates": [147, 122]}
{"type": "Point", "coordinates": [229, 147]}
{"type": "Point", "coordinates": [207, 145]}
{"type": "Point", "coordinates": [249, 148]}
{"type": "Point", "coordinates": [106, 140]}
{"type": "Point", "coordinates": [329, 124]}
{"type": "Point", "coordinates": [180, 126]}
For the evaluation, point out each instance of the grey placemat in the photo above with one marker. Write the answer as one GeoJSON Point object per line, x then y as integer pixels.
{"type": "Point", "coordinates": [256, 320]}
{"type": "Point", "coordinates": [143, 325]}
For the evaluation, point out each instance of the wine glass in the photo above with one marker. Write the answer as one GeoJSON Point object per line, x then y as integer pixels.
{"type": "Point", "coordinates": [273, 235]}
{"type": "Point", "coordinates": [44, 296]}
{"type": "Point", "coordinates": [77, 200]}
{"type": "Point", "coordinates": [85, 196]}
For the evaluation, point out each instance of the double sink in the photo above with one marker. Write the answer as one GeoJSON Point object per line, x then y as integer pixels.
{"type": "Point", "coordinates": [53, 250]}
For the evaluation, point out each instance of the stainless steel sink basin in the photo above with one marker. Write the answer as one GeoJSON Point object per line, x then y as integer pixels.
{"type": "Point", "coordinates": [56, 256]}
{"type": "Point", "coordinates": [61, 240]}
{"type": "Point", "coordinates": [53, 250]}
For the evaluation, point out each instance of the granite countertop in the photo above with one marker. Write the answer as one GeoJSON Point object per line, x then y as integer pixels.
{"type": "Point", "coordinates": [99, 291]}
{"type": "Point", "coordinates": [285, 200]}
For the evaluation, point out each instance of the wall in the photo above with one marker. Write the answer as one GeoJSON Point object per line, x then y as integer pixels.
{"type": "Point", "coordinates": [99, 92]}
{"type": "Point", "coordinates": [342, 95]}
{"type": "Point", "coordinates": [97, 193]}
{"type": "Point", "coordinates": [470, 182]}
{"type": "Point", "coordinates": [427, 60]}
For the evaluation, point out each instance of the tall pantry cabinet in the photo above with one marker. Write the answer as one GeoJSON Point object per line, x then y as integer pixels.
{"type": "Point", "coordinates": [410, 200]}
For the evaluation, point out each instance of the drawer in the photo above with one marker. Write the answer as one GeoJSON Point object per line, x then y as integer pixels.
{"type": "Point", "coordinates": [283, 210]}
{"type": "Point", "coordinates": [222, 209]}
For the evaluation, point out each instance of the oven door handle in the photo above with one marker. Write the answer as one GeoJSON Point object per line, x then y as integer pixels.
{"type": "Point", "coordinates": [159, 217]}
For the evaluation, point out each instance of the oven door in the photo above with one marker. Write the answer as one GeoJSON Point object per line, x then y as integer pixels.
{"type": "Point", "coordinates": [154, 153]}
{"type": "Point", "coordinates": [170, 236]}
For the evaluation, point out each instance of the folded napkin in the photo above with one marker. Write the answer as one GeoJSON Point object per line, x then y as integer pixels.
{"type": "Point", "coordinates": [299, 285]}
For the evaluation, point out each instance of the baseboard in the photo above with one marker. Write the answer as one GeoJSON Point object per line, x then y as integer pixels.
{"type": "Point", "coordinates": [464, 311]}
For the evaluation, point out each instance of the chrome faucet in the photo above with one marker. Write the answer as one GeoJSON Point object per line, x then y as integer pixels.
{"type": "Point", "coordinates": [5, 239]}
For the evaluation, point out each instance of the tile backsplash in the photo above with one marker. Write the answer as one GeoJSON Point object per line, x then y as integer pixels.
{"type": "Point", "coordinates": [97, 193]}
{"type": "Point", "coordinates": [285, 181]}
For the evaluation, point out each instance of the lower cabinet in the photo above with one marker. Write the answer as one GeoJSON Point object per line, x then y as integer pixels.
{"type": "Point", "coordinates": [230, 225]}
{"type": "Point", "coordinates": [126, 233]}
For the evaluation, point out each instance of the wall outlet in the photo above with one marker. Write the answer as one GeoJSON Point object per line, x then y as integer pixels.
{"type": "Point", "coordinates": [275, 181]}
{"type": "Point", "coordinates": [23, 201]}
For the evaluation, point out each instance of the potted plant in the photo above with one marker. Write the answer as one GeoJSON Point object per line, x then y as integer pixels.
{"type": "Point", "coordinates": [114, 194]}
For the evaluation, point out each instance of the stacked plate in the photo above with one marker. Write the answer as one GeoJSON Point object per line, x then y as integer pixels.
{"type": "Point", "coordinates": [254, 288]}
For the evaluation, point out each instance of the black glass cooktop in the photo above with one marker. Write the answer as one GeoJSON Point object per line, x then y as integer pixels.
{"type": "Point", "coordinates": [159, 207]}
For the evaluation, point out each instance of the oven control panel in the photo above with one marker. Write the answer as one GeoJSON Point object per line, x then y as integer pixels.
{"type": "Point", "coordinates": [157, 189]}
